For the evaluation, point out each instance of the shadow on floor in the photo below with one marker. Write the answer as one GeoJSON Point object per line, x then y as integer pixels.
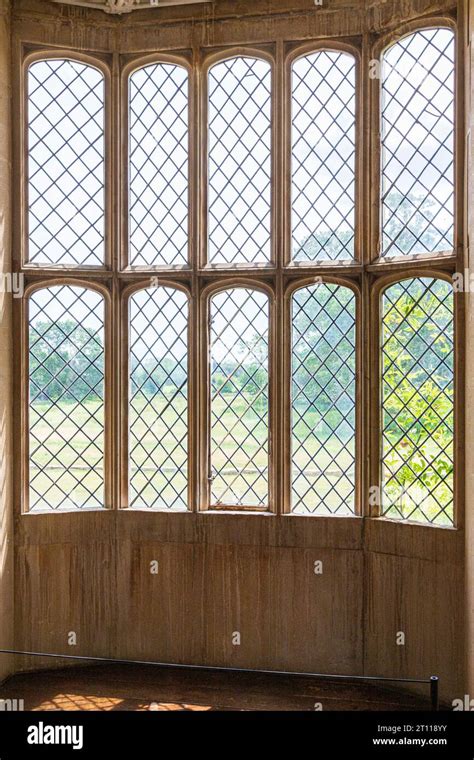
{"type": "Point", "coordinates": [148, 687]}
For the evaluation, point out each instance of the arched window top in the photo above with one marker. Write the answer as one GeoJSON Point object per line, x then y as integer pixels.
{"type": "Point", "coordinates": [239, 161]}
{"type": "Point", "coordinates": [332, 52]}
{"type": "Point", "coordinates": [65, 163]}
{"type": "Point", "coordinates": [241, 300]}
{"type": "Point", "coordinates": [82, 303]}
{"type": "Point", "coordinates": [236, 67]}
{"type": "Point", "coordinates": [428, 42]}
{"type": "Point", "coordinates": [61, 74]}
{"type": "Point", "coordinates": [418, 400]}
{"type": "Point", "coordinates": [159, 287]}
{"type": "Point", "coordinates": [418, 143]}
{"type": "Point", "coordinates": [164, 68]}
{"type": "Point", "coordinates": [158, 165]}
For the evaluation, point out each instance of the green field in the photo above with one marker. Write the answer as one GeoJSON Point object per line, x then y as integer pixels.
{"type": "Point", "coordinates": [64, 461]}
{"type": "Point", "coordinates": [66, 469]}
{"type": "Point", "coordinates": [66, 455]}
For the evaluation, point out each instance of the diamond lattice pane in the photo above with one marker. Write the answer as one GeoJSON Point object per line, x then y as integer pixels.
{"type": "Point", "coordinates": [158, 410]}
{"type": "Point", "coordinates": [417, 401]}
{"type": "Point", "coordinates": [323, 156]}
{"type": "Point", "coordinates": [418, 144]}
{"type": "Point", "coordinates": [323, 400]}
{"type": "Point", "coordinates": [66, 394]}
{"type": "Point", "coordinates": [65, 163]}
{"type": "Point", "coordinates": [239, 192]}
{"type": "Point", "coordinates": [158, 166]}
{"type": "Point", "coordinates": [239, 398]}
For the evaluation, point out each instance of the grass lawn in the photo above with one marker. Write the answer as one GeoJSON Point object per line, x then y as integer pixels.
{"type": "Point", "coordinates": [66, 459]}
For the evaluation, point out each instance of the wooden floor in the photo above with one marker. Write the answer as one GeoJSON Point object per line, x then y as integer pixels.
{"type": "Point", "coordinates": [132, 687]}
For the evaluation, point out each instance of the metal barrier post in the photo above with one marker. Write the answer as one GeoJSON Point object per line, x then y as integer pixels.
{"type": "Point", "coordinates": [434, 691]}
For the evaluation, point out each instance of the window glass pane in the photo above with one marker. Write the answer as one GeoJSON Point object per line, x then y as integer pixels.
{"type": "Point", "coordinates": [66, 398]}
{"type": "Point", "coordinates": [323, 156]}
{"type": "Point", "coordinates": [417, 399]}
{"type": "Point", "coordinates": [158, 412]}
{"type": "Point", "coordinates": [418, 144]}
{"type": "Point", "coordinates": [239, 398]}
{"type": "Point", "coordinates": [323, 401]}
{"type": "Point", "coordinates": [239, 193]}
{"type": "Point", "coordinates": [158, 165]}
{"type": "Point", "coordinates": [65, 163]}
